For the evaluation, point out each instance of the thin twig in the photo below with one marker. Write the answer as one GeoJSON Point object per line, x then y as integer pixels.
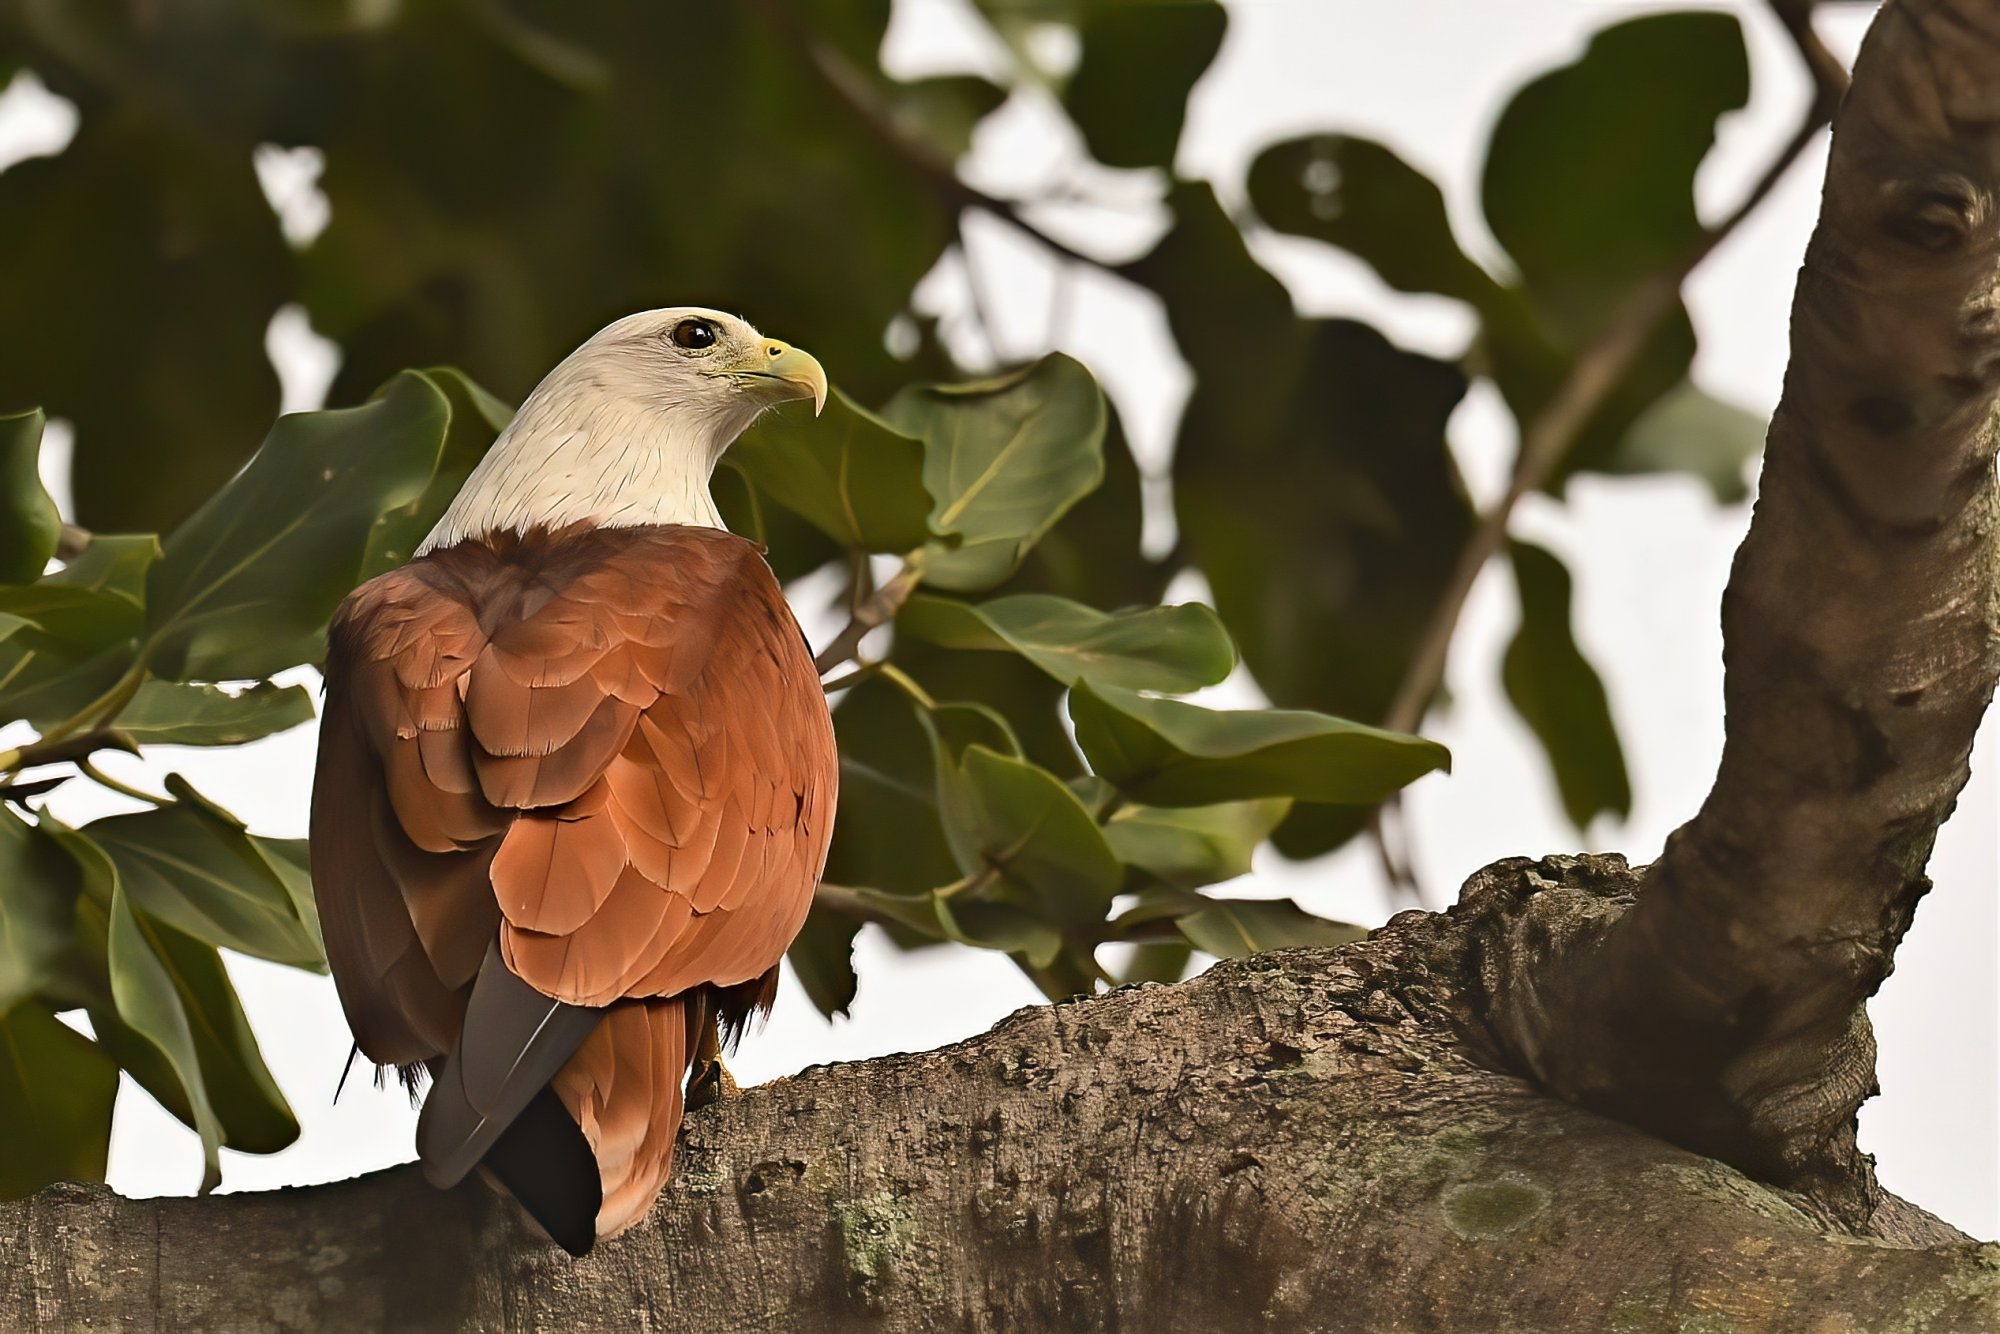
{"type": "Point", "coordinates": [1396, 868]}
{"type": "Point", "coordinates": [1595, 373]}
{"type": "Point", "coordinates": [56, 750]}
{"type": "Point", "coordinates": [102, 779]}
{"type": "Point", "coordinates": [878, 609]}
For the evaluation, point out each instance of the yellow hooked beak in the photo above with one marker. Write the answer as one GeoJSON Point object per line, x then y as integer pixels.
{"type": "Point", "coordinates": [785, 372]}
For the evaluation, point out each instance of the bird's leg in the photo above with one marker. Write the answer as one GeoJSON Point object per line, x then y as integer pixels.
{"type": "Point", "coordinates": [711, 1079]}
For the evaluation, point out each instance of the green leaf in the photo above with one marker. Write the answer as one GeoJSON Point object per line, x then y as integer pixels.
{"type": "Point", "coordinates": [1555, 689]}
{"type": "Point", "coordinates": [1589, 179]}
{"type": "Point", "coordinates": [1233, 928]}
{"type": "Point", "coordinates": [29, 523]}
{"type": "Point", "coordinates": [1003, 459]}
{"type": "Point", "coordinates": [246, 585]}
{"type": "Point", "coordinates": [84, 629]}
{"type": "Point", "coordinates": [998, 926]}
{"type": "Point", "coordinates": [254, 1114]}
{"type": "Point", "coordinates": [1357, 194]}
{"type": "Point", "coordinates": [474, 418]}
{"type": "Point", "coordinates": [1009, 815]}
{"type": "Point", "coordinates": [1685, 430]}
{"type": "Point", "coordinates": [195, 868]}
{"type": "Point", "coordinates": [1192, 846]}
{"type": "Point", "coordinates": [169, 713]}
{"type": "Point", "coordinates": [147, 1001]}
{"type": "Point", "coordinates": [56, 1093]}
{"type": "Point", "coordinates": [1177, 648]}
{"type": "Point", "coordinates": [849, 473]}
{"type": "Point", "coordinates": [38, 888]}
{"type": "Point", "coordinates": [1168, 753]}
{"type": "Point", "coordinates": [290, 860]}
{"type": "Point", "coordinates": [822, 957]}
{"type": "Point", "coordinates": [1129, 120]}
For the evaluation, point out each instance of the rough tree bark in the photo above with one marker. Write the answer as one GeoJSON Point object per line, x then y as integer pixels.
{"type": "Point", "coordinates": [1397, 1134]}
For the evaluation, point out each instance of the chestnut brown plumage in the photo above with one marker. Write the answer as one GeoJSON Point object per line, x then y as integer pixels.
{"type": "Point", "coordinates": [575, 787]}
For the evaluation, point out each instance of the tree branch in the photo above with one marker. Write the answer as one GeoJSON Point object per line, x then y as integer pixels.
{"type": "Point", "coordinates": [1862, 643]}
{"type": "Point", "coordinates": [1596, 374]}
{"type": "Point", "coordinates": [1255, 1149]}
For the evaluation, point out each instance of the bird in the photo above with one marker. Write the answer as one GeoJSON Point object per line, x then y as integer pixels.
{"type": "Point", "coordinates": [576, 779]}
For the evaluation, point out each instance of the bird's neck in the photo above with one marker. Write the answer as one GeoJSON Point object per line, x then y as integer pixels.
{"type": "Point", "coordinates": [575, 455]}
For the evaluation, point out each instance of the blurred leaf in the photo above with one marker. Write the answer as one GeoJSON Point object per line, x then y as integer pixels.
{"type": "Point", "coordinates": [85, 633]}
{"type": "Point", "coordinates": [1589, 179]}
{"type": "Point", "coordinates": [853, 476]}
{"type": "Point", "coordinates": [1233, 928]}
{"type": "Point", "coordinates": [38, 888]}
{"type": "Point", "coordinates": [147, 1001]}
{"type": "Point", "coordinates": [473, 418]}
{"type": "Point", "coordinates": [1177, 648]}
{"type": "Point", "coordinates": [56, 1093]}
{"type": "Point", "coordinates": [1687, 431]}
{"type": "Point", "coordinates": [246, 584]}
{"type": "Point", "coordinates": [143, 323]}
{"type": "Point", "coordinates": [1169, 753]}
{"type": "Point", "coordinates": [1314, 490]}
{"type": "Point", "coordinates": [193, 867]}
{"type": "Point", "coordinates": [29, 523]}
{"type": "Point", "coordinates": [822, 957]}
{"type": "Point", "coordinates": [1558, 693]}
{"type": "Point", "coordinates": [1132, 121]}
{"type": "Point", "coordinates": [1192, 846]}
{"type": "Point", "coordinates": [167, 713]}
{"type": "Point", "coordinates": [944, 111]}
{"type": "Point", "coordinates": [1357, 194]}
{"type": "Point", "coordinates": [1003, 458]}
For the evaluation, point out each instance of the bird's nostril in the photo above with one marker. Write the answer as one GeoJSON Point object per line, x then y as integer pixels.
{"type": "Point", "coordinates": [774, 351]}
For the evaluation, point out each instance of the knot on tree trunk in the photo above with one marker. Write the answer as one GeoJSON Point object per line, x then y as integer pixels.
{"type": "Point", "coordinates": [1728, 1081]}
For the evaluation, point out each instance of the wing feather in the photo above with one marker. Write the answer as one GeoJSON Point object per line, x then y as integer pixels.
{"type": "Point", "coordinates": [605, 754]}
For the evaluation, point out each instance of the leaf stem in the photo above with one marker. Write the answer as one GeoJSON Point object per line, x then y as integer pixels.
{"type": "Point", "coordinates": [850, 679]}
{"type": "Point", "coordinates": [879, 608]}
{"type": "Point", "coordinates": [102, 779]}
{"type": "Point", "coordinates": [907, 684]}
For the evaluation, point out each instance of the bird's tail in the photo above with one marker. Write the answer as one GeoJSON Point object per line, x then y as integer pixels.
{"type": "Point", "coordinates": [623, 1088]}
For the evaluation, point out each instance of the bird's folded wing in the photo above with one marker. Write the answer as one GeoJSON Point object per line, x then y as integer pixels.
{"type": "Point", "coordinates": [610, 750]}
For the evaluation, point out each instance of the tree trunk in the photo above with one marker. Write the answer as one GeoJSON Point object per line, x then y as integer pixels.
{"type": "Point", "coordinates": [1311, 1140]}
{"type": "Point", "coordinates": [1350, 1139]}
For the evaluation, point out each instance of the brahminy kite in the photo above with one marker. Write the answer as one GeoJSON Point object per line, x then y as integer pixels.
{"type": "Point", "coordinates": [576, 778]}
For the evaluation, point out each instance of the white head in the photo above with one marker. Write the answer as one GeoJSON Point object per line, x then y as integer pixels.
{"type": "Point", "coordinates": [628, 429]}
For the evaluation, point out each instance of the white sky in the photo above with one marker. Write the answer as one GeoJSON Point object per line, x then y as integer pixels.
{"type": "Point", "coordinates": [1650, 558]}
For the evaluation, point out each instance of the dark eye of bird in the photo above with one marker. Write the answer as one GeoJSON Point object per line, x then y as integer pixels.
{"type": "Point", "coordinates": [694, 334]}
